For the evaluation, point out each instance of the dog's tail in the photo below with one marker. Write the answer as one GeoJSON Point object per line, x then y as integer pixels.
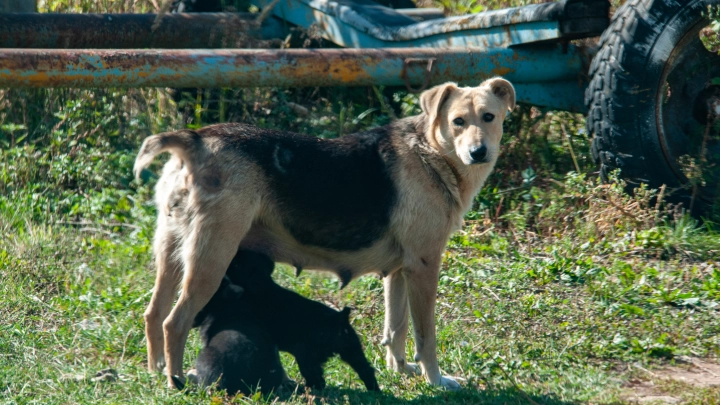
{"type": "Point", "coordinates": [182, 143]}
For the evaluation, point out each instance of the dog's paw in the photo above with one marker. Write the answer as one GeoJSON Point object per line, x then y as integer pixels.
{"type": "Point", "coordinates": [402, 366]}
{"type": "Point", "coordinates": [412, 369]}
{"type": "Point", "coordinates": [155, 366]}
{"type": "Point", "coordinates": [450, 383]}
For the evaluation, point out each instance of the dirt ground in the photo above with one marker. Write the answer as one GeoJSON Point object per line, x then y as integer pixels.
{"type": "Point", "coordinates": [657, 386]}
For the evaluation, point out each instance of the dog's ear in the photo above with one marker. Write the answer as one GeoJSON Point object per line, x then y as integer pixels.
{"type": "Point", "coordinates": [503, 90]}
{"type": "Point", "coordinates": [433, 99]}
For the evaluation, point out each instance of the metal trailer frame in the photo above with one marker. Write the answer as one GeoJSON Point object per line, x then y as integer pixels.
{"type": "Point", "coordinates": [527, 45]}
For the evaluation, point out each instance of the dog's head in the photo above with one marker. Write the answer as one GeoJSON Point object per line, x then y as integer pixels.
{"type": "Point", "coordinates": [251, 270]}
{"type": "Point", "coordinates": [465, 123]}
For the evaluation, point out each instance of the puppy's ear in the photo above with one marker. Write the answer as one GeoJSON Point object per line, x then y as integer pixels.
{"type": "Point", "coordinates": [232, 291]}
{"type": "Point", "coordinates": [503, 90]}
{"type": "Point", "coordinates": [267, 267]}
{"type": "Point", "coordinates": [433, 99]}
{"type": "Point", "coordinates": [345, 314]}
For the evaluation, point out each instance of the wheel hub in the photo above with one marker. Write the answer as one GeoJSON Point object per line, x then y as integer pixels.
{"type": "Point", "coordinates": [688, 112]}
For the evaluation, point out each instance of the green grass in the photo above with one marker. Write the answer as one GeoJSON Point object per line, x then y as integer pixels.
{"type": "Point", "coordinates": [561, 319]}
{"type": "Point", "coordinates": [559, 288]}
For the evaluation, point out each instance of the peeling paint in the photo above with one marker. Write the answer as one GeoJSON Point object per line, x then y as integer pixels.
{"type": "Point", "coordinates": [362, 25]}
{"type": "Point", "coordinates": [284, 68]}
{"type": "Point", "coordinates": [291, 67]}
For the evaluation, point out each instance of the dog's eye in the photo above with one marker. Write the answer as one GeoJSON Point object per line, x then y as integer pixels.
{"type": "Point", "coordinates": [459, 121]}
{"type": "Point", "coordinates": [487, 117]}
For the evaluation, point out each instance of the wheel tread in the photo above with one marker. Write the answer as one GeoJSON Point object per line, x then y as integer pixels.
{"type": "Point", "coordinates": [612, 92]}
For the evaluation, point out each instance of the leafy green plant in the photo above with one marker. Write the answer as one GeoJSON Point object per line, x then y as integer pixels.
{"type": "Point", "coordinates": [710, 35]}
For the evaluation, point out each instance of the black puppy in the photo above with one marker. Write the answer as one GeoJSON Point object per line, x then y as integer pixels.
{"type": "Point", "coordinates": [238, 353]}
{"type": "Point", "coordinates": [309, 330]}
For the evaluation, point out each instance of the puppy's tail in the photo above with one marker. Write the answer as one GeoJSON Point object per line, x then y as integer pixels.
{"type": "Point", "coordinates": [178, 383]}
{"type": "Point", "coordinates": [183, 143]}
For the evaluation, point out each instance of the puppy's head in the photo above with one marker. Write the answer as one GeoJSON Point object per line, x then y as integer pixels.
{"type": "Point", "coordinates": [346, 333]}
{"type": "Point", "coordinates": [465, 123]}
{"type": "Point", "coordinates": [250, 270]}
{"type": "Point", "coordinates": [223, 300]}
{"type": "Point", "coordinates": [348, 337]}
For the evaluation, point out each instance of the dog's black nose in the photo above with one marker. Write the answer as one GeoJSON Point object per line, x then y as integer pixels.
{"type": "Point", "coordinates": [479, 154]}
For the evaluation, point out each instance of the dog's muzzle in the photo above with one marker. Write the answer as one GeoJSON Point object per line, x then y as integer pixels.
{"type": "Point", "coordinates": [479, 154]}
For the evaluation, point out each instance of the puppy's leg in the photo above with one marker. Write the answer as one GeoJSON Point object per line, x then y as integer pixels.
{"type": "Point", "coordinates": [207, 250]}
{"type": "Point", "coordinates": [167, 280]}
{"type": "Point", "coordinates": [422, 283]}
{"type": "Point", "coordinates": [311, 369]}
{"type": "Point", "coordinates": [396, 323]}
{"type": "Point", "coordinates": [354, 356]}
{"type": "Point", "coordinates": [285, 380]}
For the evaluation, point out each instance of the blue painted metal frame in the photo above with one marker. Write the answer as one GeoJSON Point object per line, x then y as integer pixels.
{"type": "Point", "coordinates": [346, 28]}
{"type": "Point", "coordinates": [363, 24]}
{"type": "Point", "coordinates": [521, 44]}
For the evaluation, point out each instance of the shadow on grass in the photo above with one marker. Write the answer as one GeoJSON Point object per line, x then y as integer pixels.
{"type": "Point", "coordinates": [465, 396]}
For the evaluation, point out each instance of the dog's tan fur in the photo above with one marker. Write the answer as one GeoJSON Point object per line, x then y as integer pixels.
{"type": "Point", "coordinates": [211, 200]}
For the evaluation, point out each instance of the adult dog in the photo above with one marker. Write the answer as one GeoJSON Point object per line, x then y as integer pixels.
{"type": "Point", "coordinates": [383, 201]}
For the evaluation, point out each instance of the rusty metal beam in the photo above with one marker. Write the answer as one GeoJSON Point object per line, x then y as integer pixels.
{"type": "Point", "coordinates": [278, 68]}
{"type": "Point", "coordinates": [134, 31]}
{"type": "Point", "coordinates": [297, 68]}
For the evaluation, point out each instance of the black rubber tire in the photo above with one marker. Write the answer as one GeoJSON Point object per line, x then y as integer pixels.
{"type": "Point", "coordinates": [621, 97]}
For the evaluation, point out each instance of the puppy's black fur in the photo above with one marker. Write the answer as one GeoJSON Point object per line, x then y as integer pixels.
{"type": "Point", "coordinates": [309, 330]}
{"type": "Point", "coordinates": [238, 352]}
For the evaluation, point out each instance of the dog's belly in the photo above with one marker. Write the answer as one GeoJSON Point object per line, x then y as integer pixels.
{"type": "Point", "coordinates": [383, 256]}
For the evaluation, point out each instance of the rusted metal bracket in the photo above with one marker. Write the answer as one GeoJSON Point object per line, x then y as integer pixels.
{"type": "Point", "coordinates": [426, 78]}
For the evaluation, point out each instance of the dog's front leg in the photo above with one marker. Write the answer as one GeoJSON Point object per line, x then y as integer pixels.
{"type": "Point", "coordinates": [422, 283]}
{"type": "Point", "coordinates": [396, 324]}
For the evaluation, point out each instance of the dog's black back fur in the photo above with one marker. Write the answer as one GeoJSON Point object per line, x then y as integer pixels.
{"type": "Point", "coordinates": [309, 330]}
{"type": "Point", "coordinates": [336, 194]}
{"type": "Point", "coordinates": [238, 353]}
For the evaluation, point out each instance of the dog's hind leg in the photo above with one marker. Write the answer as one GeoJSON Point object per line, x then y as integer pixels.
{"type": "Point", "coordinates": [167, 280]}
{"type": "Point", "coordinates": [422, 289]}
{"type": "Point", "coordinates": [208, 248]}
{"type": "Point", "coordinates": [396, 323]}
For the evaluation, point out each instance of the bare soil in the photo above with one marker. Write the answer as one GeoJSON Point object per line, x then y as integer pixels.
{"type": "Point", "coordinates": [656, 386]}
